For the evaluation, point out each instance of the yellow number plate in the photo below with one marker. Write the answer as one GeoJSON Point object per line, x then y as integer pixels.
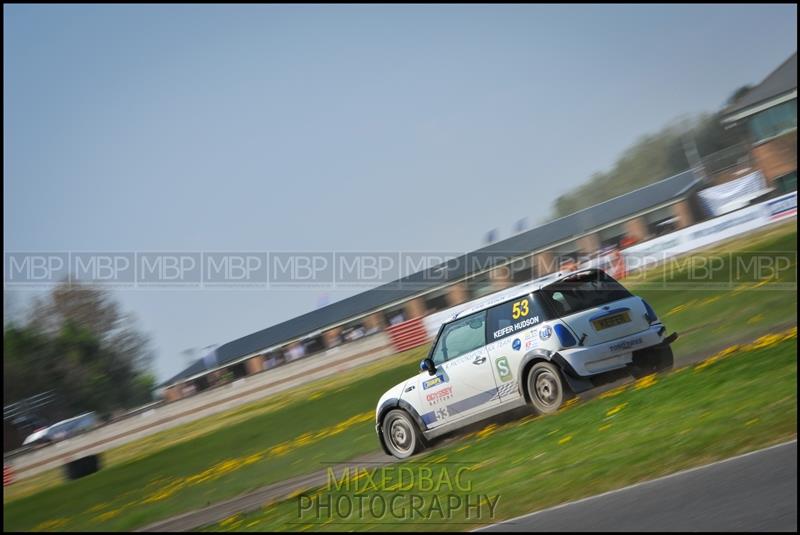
{"type": "Point", "coordinates": [611, 321]}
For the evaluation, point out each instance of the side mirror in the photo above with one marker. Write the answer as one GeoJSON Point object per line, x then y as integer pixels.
{"type": "Point", "coordinates": [427, 365]}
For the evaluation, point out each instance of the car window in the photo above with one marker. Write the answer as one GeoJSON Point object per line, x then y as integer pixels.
{"type": "Point", "coordinates": [460, 337]}
{"type": "Point", "coordinates": [514, 316]}
{"type": "Point", "coordinates": [582, 292]}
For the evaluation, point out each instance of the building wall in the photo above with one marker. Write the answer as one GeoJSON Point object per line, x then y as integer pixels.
{"type": "Point", "coordinates": [544, 263]}
{"type": "Point", "coordinates": [684, 213]}
{"type": "Point", "coordinates": [501, 277]}
{"type": "Point", "coordinates": [254, 364]}
{"type": "Point", "coordinates": [589, 243]}
{"type": "Point", "coordinates": [415, 308]}
{"type": "Point", "coordinates": [172, 393]}
{"type": "Point", "coordinates": [374, 321]}
{"type": "Point", "coordinates": [777, 157]}
{"type": "Point", "coordinates": [331, 337]}
{"type": "Point", "coordinates": [457, 294]}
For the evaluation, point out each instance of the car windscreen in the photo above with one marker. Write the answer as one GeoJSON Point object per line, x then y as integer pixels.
{"type": "Point", "coordinates": [583, 291]}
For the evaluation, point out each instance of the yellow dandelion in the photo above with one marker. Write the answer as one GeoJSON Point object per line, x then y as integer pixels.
{"type": "Point", "coordinates": [486, 431]}
{"type": "Point", "coordinates": [764, 341]}
{"type": "Point", "coordinates": [613, 392]}
{"type": "Point", "coordinates": [614, 410]}
{"type": "Point", "coordinates": [645, 382]}
{"type": "Point", "coordinates": [755, 319]}
{"type": "Point", "coordinates": [55, 524]}
{"type": "Point", "coordinates": [108, 515]}
{"type": "Point", "coordinates": [230, 520]}
{"type": "Point", "coordinates": [675, 310]}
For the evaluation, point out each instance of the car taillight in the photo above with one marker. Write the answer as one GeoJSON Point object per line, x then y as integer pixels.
{"type": "Point", "coordinates": [650, 314]}
{"type": "Point", "coordinates": [564, 336]}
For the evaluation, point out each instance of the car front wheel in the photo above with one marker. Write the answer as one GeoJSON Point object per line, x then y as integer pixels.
{"type": "Point", "coordinates": [400, 434]}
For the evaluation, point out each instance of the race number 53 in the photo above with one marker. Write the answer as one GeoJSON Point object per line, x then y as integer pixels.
{"type": "Point", "coordinates": [519, 309]}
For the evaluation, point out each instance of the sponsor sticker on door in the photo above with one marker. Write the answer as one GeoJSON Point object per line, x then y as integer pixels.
{"type": "Point", "coordinates": [503, 369]}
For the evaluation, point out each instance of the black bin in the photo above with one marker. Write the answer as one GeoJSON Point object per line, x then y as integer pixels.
{"type": "Point", "coordinates": [82, 467]}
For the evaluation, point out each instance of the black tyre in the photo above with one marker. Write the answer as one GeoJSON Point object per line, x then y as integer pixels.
{"type": "Point", "coordinates": [664, 360]}
{"type": "Point", "coordinates": [547, 389]}
{"type": "Point", "coordinates": [401, 435]}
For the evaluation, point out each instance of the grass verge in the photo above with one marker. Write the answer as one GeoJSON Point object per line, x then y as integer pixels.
{"type": "Point", "coordinates": [738, 400]}
{"type": "Point", "coordinates": [288, 434]}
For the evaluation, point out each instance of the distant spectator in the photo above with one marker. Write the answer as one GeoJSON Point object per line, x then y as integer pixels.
{"type": "Point", "coordinates": [568, 264]}
{"type": "Point", "coordinates": [296, 351]}
{"type": "Point", "coordinates": [627, 241]}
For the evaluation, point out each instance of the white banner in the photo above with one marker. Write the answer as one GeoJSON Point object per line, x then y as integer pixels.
{"type": "Point", "coordinates": [710, 232]}
{"type": "Point", "coordinates": [730, 196]}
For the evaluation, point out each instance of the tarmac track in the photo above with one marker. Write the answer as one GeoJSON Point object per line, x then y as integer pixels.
{"type": "Point", "coordinates": [756, 492]}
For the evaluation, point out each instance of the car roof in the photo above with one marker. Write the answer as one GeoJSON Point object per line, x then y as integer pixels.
{"type": "Point", "coordinates": [73, 419]}
{"type": "Point", "coordinates": [502, 296]}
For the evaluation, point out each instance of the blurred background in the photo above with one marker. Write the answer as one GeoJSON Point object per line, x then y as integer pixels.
{"type": "Point", "coordinates": [468, 148]}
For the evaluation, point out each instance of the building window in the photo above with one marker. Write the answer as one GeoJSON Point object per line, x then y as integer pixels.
{"type": "Point", "coordinates": [566, 256]}
{"type": "Point", "coordinates": [273, 359]}
{"type": "Point", "coordinates": [479, 286]}
{"type": "Point", "coordinates": [522, 269]}
{"type": "Point", "coordinates": [612, 236]}
{"type": "Point", "coordinates": [353, 331]}
{"type": "Point", "coordinates": [661, 221]}
{"type": "Point", "coordinates": [786, 183]}
{"type": "Point", "coordinates": [394, 316]}
{"type": "Point", "coordinates": [312, 345]}
{"type": "Point", "coordinates": [774, 121]}
{"type": "Point", "coordinates": [436, 301]}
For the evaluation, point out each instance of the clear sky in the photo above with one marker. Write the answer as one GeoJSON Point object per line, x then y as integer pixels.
{"type": "Point", "coordinates": [374, 128]}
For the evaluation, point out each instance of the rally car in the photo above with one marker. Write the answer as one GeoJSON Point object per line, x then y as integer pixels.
{"type": "Point", "coordinates": [538, 345]}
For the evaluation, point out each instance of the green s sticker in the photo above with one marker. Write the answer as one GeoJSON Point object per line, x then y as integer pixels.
{"type": "Point", "coordinates": [503, 369]}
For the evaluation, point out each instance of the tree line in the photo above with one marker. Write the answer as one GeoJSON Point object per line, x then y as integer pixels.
{"type": "Point", "coordinates": [652, 158]}
{"type": "Point", "coordinates": [77, 343]}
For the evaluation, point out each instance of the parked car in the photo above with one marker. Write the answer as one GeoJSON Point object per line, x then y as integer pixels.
{"type": "Point", "coordinates": [538, 345]}
{"type": "Point", "coordinates": [63, 429]}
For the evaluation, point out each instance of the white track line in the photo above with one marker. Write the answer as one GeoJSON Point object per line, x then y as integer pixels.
{"type": "Point", "coordinates": [639, 484]}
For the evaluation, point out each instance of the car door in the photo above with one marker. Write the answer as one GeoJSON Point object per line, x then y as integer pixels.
{"type": "Point", "coordinates": [511, 333]}
{"type": "Point", "coordinates": [463, 384]}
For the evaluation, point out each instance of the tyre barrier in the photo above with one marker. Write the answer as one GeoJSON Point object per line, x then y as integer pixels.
{"type": "Point", "coordinates": [82, 467]}
{"type": "Point", "coordinates": [8, 475]}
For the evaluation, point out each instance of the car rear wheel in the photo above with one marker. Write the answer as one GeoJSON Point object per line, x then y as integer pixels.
{"type": "Point", "coordinates": [400, 434]}
{"type": "Point", "coordinates": [652, 360]}
{"type": "Point", "coordinates": [547, 389]}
